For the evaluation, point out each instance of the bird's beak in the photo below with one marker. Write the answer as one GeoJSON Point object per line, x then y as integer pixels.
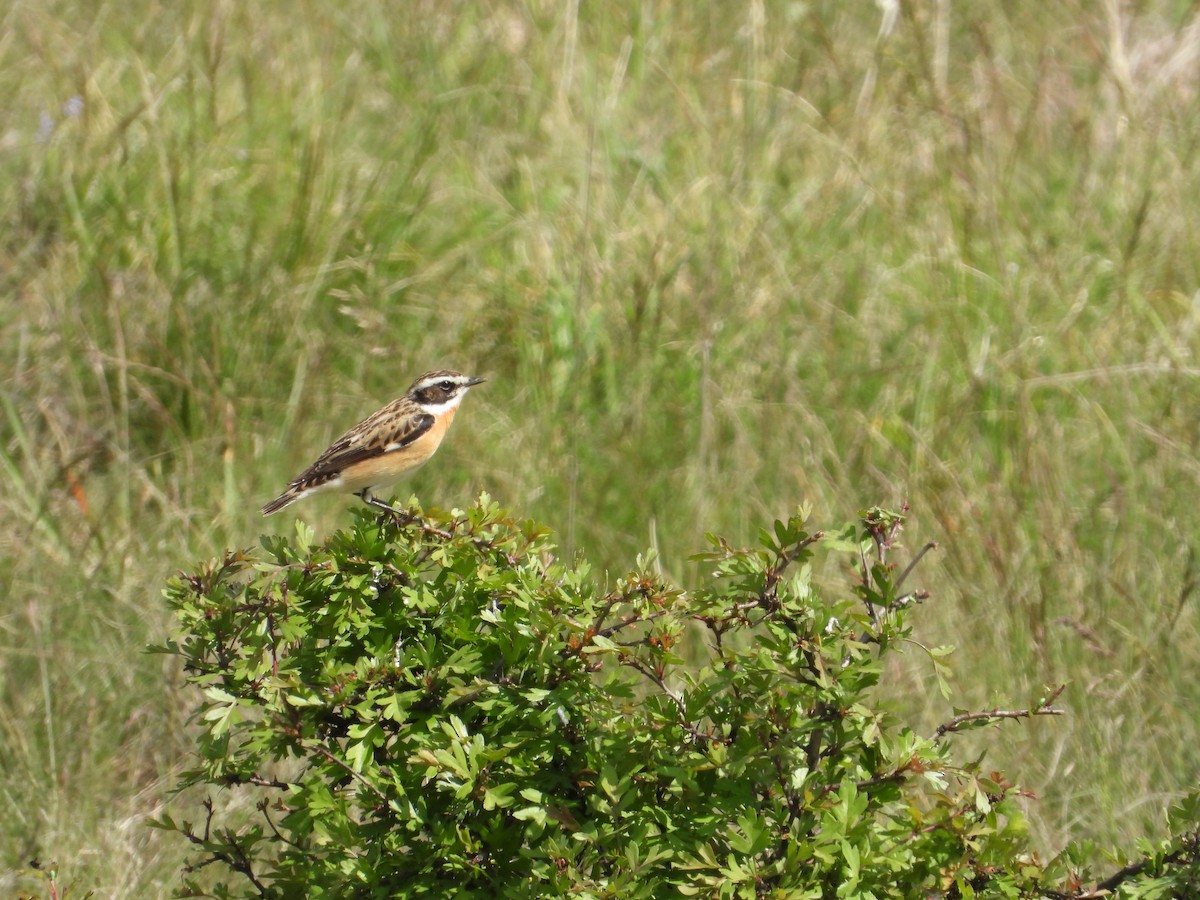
{"type": "Point", "coordinates": [474, 380]}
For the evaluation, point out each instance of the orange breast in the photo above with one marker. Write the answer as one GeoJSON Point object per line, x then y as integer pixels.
{"type": "Point", "coordinates": [388, 468]}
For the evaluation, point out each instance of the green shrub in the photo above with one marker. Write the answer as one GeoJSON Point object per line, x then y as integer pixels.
{"type": "Point", "coordinates": [437, 707]}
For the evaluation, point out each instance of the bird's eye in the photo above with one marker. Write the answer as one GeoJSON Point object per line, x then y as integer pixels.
{"type": "Point", "coordinates": [447, 385]}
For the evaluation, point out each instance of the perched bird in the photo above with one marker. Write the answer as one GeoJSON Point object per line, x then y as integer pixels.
{"type": "Point", "coordinates": [386, 445]}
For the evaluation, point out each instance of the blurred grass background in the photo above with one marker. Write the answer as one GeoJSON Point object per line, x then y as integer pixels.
{"type": "Point", "coordinates": [715, 259]}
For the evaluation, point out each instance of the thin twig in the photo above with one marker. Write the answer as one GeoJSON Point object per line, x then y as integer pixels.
{"type": "Point", "coordinates": [636, 664]}
{"type": "Point", "coordinates": [345, 765]}
{"type": "Point", "coordinates": [866, 582]}
{"type": "Point", "coordinates": [1043, 709]}
{"type": "Point", "coordinates": [405, 517]}
{"type": "Point", "coordinates": [896, 775]}
{"type": "Point", "coordinates": [262, 806]}
{"type": "Point", "coordinates": [932, 545]}
{"type": "Point", "coordinates": [905, 600]}
{"type": "Point", "coordinates": [632, 619]}
{"type": "Point", "coordinates": [786, 558]}
{"type": "Point", "coordinates": [603, 614]}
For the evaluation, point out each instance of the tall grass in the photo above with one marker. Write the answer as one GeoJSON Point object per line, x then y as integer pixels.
{"type": "Point", "coordinates": [714, 258]}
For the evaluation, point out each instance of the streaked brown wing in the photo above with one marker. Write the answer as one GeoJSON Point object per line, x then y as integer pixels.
{"type": "Point", "coordinates": [385, 432]}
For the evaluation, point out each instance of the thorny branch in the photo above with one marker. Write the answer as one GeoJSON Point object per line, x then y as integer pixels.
{"type": "Point", "coordinates": [1045, 708]}
{"type": "Point", "coordinates": [236, 859]}
{"type": "Point", "coordinates": [1189, 854]}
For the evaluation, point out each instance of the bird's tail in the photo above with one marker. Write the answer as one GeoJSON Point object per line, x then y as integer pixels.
{"type": "Point", "coordinates": [288, 497]}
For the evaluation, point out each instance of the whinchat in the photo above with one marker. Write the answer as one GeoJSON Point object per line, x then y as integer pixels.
{"type": "Point", "coordinates": [386, 445]}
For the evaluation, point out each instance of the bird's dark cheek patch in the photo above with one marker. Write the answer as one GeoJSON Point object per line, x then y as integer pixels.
{"type": "Point", "coordinates": [433, 396]}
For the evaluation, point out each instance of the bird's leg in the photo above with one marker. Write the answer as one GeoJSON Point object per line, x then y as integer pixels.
{"type": "Point", "coordinates": [371, 500]}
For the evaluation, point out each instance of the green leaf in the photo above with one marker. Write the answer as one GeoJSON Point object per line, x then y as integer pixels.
{"type": "Point", "coordinates": [534, 814]}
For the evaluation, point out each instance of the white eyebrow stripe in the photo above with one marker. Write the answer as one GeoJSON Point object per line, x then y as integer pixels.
{"type": "Point", "coordinates": [430, 382]}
